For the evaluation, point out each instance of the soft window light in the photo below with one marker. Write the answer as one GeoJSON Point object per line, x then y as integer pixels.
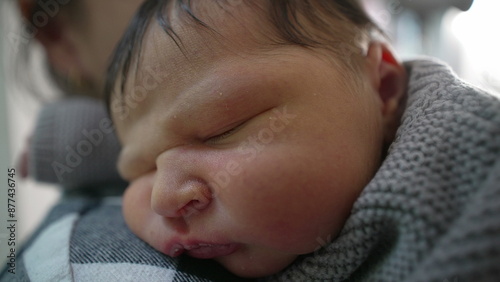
{"type": "Point", "coordinates": [477, 30]}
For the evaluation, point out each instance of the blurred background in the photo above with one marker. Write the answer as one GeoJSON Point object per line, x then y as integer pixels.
{"type": "Point", "coordinates": [461, 32]}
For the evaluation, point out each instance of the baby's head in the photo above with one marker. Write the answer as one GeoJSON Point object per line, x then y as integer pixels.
{"type": "Point", "coordinates": [249, 128]}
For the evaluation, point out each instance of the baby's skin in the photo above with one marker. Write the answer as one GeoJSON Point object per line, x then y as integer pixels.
{"type": "Point", "coordinates": [246, 153]}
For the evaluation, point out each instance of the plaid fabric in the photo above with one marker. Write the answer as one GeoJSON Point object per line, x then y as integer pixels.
{"type": "Point", "coordinates": [86, 239]}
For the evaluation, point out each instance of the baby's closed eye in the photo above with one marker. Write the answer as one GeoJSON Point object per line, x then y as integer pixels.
{"type": "Point", "coordinates": [226, 133]}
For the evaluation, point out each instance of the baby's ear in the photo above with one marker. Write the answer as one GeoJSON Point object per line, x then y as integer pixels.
{"type": "Point", "coordinates": [389, 79]}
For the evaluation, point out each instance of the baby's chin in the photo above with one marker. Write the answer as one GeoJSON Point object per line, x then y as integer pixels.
{"type": "Point", "coordinates": [254, 264]}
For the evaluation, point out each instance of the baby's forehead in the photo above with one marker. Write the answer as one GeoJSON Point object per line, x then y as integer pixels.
{"type": "Point", "coordinates": [189, 43]}
{"type": "Point", "coordinates": [171, 62]}
{"type": "Point", "coordinates": [171, 35]}
{"type": "Point", "coordinates": [231, 29]}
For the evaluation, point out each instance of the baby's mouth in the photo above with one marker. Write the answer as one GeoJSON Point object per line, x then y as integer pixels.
{"type": "Point", "coordinates": [204, 250]}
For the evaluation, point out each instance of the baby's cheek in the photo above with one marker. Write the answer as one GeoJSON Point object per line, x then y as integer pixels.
{"type": "Point", "coordinates": [137, 204]}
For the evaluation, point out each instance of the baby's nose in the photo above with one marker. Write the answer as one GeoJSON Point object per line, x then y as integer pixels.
{"type": "Point", "coordinates": [173, 198]}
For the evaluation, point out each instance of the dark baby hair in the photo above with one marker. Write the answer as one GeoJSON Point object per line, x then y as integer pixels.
{"type": "Point", "coordinates": [289, 18]}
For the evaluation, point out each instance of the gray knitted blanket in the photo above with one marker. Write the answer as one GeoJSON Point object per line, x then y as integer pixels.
{"type": "Point", "coordinates": [431, 213]}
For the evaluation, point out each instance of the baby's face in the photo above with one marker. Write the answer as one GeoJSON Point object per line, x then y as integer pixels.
{"type": "Point", "coordinates": [250, 158]}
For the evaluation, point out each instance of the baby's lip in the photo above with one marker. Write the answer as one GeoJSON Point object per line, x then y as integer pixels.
{"type": "Point", "coordinates": [202, 250]}
{"type": "Point", "coordinates": [175, 250]}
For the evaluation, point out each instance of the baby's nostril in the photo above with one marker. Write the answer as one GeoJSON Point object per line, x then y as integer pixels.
{"type": "Point", "coordinates": [181, 200]}
{"type": "Point", "coordinates": [193, 207]}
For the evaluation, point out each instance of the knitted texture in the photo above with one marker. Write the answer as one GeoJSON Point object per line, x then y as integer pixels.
{"type": "Point", "coordinates": [429, 214]}
{"type": "Point", "coordinates": [74, 144]}
{"type": "Point", "coordinates": [431, 211]}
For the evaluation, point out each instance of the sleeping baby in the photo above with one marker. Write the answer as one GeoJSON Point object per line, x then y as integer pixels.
{"type": "Point", "coordinates": [285, 136]}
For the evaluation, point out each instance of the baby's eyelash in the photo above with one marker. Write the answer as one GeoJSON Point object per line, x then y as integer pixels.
{"type": "Point", "coordinates": [225, 134]}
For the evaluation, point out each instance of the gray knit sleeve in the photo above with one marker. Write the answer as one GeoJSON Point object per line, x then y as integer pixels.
{"type": "Point", "coordinates": [74, 144]}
